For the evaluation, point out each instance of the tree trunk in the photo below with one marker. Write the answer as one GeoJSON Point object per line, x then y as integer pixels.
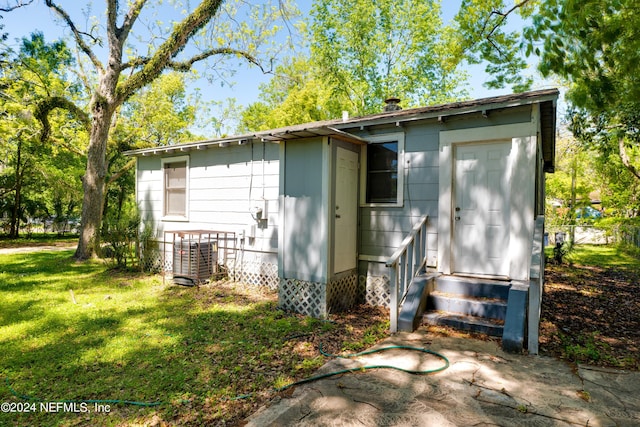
{"type": "Point", "coordinates": [624, 156]}
{"type": "Point", "coordinates": [15, 214]}
{"type": "Point", "coordinates": [572, 212]}
{"type": "Point", "coordinates": [93, 182]}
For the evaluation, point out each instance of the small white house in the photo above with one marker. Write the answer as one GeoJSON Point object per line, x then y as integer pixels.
{"type": "Point", "coordinates": [318, 210]}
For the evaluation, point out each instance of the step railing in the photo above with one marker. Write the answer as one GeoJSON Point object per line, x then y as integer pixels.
{"type": "Point", "coordinates": [406, 263]}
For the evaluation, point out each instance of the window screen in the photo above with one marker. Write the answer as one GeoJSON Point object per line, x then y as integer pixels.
{"type": "Point", "coordinates": [175, 189]}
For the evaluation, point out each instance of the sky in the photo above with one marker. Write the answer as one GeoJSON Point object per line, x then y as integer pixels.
{"type": "Point", "coordinates": [246, 80]}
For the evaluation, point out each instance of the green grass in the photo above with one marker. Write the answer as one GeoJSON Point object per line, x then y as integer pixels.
{"type": "Point", "coordinates": [132, 337]}
{"type": "Point", "coordinates": [602, 256]}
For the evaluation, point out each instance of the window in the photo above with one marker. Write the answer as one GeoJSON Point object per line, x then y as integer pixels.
{"type": "Point", "coordinates": [175, 187]}
{"type": "Point", "coordinates": [383, 176]}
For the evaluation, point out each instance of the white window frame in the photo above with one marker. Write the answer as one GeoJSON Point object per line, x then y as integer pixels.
{"type": "Point", "coordinates": [169, 160]}
{"type": "Point", "coordinates": [378, 139]}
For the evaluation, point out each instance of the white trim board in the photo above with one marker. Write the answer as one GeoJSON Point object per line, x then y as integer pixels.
{"type": "Point", "coordinates": [176, 159]}
{"type": "Point", "coordinates": [523, 138]}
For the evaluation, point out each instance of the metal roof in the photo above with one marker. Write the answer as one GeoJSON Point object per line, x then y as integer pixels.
{"type": "Point", "coordinates": [334, 128]}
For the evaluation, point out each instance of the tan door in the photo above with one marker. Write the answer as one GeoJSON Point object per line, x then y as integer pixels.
{"type": "Point", "coordinates": [346, 210]}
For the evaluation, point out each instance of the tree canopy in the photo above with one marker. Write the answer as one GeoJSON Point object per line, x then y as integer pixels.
{"type": "Point", "coordinates": [126, 47]}
{"type": "Point", "coordinates": [357, 53]}
{"type": "Point", "coordinates": [37, 180]}
{"type": "Point", "coordinates": [595, 46]}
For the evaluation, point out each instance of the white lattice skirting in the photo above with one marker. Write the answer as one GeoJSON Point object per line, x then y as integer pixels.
{"type": "Point", "coordinates": [254, 273]}
{"type": "Point", "coordinates": [152, 261]}
{"type": "Point", "coordinates": [309, 298]}
{"type": "Point", "coordinates": [318, 299]}
{"type": "Point", "coordinates": [376, 290]}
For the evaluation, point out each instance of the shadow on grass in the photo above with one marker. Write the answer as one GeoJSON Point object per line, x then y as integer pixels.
{"type": "Point", "coordinates": [129, 337]}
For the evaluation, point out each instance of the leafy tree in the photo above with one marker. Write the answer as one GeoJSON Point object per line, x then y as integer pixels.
{"type": "Point", "coordinates": [619, 185]}
{"type": "Point", "coordinates": [620, 189]}
{"type": "Point", "coordinates": [159, 114]}
{"type": "Point", "coordinates": [296, 94]}
{"type": "Point", "coordinates": [570, 184]}
{"type": "Point", "coordinates": [212, 29]}
{"type": "Point", "coordinates": [34, 73]}
{"type": "Point", "coordinates": [361, 52]}
{"type": "Point", "coordinates": [369, 51]}
{"type": "Point", "coordinates": [595, 45]}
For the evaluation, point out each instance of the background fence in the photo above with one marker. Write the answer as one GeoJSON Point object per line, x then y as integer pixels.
{"type": "Point", "coordinates": [627, 234]}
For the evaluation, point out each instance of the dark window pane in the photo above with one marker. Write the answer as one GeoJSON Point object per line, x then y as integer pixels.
{"type": "Point", "coordinates": [382, 173]}
{"type": "Point", "coordinates": [383, 156]}
{"type": "Point", "coordinates": [382, 187]}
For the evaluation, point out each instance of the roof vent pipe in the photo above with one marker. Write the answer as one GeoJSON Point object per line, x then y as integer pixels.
{"type": "Point", "coordinates": [392, 104]}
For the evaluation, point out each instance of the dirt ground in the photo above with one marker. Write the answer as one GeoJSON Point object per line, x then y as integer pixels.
{"type": "Point", "coordinates": [592, 315]}
{"type": "Point", "coordinates": [589, 315]}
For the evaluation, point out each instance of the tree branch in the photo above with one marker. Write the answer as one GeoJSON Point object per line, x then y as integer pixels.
{"type": "Point", "coordinates": [45, 107]}
{"type": "Point", "coordinates": [16, 6]}
{"type": "Point", "coordinates": [503, 17]}
{"type": "Point", "coordinates": [169, 49]}
{"type": "Point", "coordinates": [187, 64]}
{"type": "Point", "coordinates": [624, 156]}
{"type": "Point", "coordinates": [112, 13]}
{"type": "Point", "coordinates": [130, 164]}
{"type": "Point", "coordinates": [130, 19]}
{"type": "Point", "coordinates": [77, 34]}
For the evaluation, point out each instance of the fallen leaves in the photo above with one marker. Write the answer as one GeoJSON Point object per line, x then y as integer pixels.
{"type": "Point", "coordinates": [592, 315]}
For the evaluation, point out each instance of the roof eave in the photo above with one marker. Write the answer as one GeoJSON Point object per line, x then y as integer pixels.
{"type": "Point", "coordinates": [336, 127]}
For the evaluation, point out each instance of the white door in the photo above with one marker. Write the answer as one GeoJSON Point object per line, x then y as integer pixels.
{"type": "Point", "coordinates": [481, 213]}
{"type": "Point", "coordinates": [346, 211]}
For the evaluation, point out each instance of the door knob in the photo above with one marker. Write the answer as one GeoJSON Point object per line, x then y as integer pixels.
{"type": "Point", "coordinates": [457, 218]}
{"type": "Point", "coordinates": [457, 209]}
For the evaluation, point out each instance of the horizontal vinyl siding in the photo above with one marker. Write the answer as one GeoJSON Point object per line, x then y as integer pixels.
{"type": "Point", "coordinates": [225, 183]}
{"type": "Point", "coordinates": [383, 229]}
{"type": "Point", "coordinates": [149, 188]}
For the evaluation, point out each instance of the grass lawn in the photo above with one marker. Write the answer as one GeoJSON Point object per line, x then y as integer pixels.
{"type": "Point", "coordinates": [591, 308]}
{"type": "Point", "coordinates": [79, 332]}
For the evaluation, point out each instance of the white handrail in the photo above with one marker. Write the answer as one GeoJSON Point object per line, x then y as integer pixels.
{"type": "Point", "coordinates": [405, 263]}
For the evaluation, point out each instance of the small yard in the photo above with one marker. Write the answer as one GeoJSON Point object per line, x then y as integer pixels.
{"type": "Point", "coordinates": [212, 355]}
{"type": "Point", "coordinates": [591, 308]}
{"type": "Point", "coordinates": [79, 332]}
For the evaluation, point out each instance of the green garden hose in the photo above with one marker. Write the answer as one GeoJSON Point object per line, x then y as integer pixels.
{"type": "Point", "coordinates": [364, 368]}
{"type": "Point", "coordinates": [279, 389]}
